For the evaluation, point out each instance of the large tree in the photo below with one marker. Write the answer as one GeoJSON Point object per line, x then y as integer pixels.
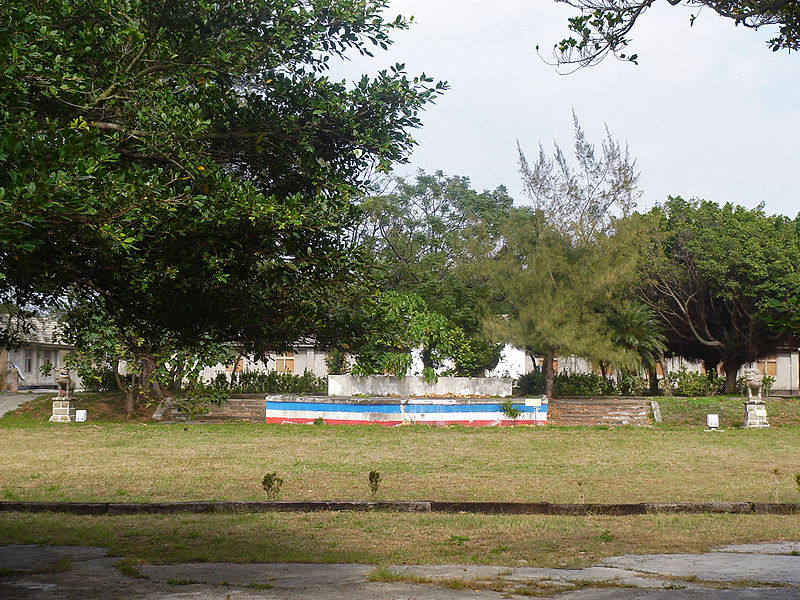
{"type": "Point", "coordinates": [715, 276]}
{"type": "Point", "coordinates": [566, 261]}
{"type": "Point", "coordinates": [603, 26]}
{"type": "Point", "coordinates": [189, 167]}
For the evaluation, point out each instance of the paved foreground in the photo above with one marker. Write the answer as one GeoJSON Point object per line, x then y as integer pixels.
{"type": "Point", "coordinates": [9, 401]}
{"type": "Point", "coordinates": [744, 572]}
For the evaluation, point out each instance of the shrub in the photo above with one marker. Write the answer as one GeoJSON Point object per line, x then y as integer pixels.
{"type": "Point", "coordinates": [694, 384]}
{"type": "Point", "coordinates": [272, 485]}
{"type": "Point", "coordinates": [632, 385]}
{"type": "Point", "coordinates": [531, 384]}
{"type": "Point", "coordinates": [583, 384]}
{"type": "Point", "coordinates": [509, 410]}
{"type": "Point", "coordinates": [336, 361]}
{"type": "Point", "coordinates": [101, 379]}
{"type": "Point", "coordinates": [252, 382]}
{"type": "Point", "coordinates": [766, 385]}
{"type": "Point", "coordinates": [374, 483]}
{"type": "Point", "coordinates": [566, 384]}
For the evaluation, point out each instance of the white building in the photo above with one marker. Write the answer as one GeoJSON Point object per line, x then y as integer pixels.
{"type": "Point", "coordinates": [39, 348]}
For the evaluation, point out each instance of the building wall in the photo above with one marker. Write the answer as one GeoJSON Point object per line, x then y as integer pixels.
{"type": "Point", "coordinates": [312, 360]}
{"type": "Point", "coordinates": [40, 347]}
{"type": "Point", "coordinates": [303, 358]}
{"type": "Point", "coordinates": [787, 372]}
{"type": "Point", "coordinates": [30, 358]}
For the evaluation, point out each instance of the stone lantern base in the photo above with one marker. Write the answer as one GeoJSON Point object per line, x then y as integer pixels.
{"type": "Point", "coordinates": [755, 415]}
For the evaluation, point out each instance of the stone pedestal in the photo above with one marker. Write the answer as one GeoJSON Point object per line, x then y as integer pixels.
{"type": "Point", "coordinates": [755, 415]}
{"type": "Point", "coordinates": [63, 411]}
{"type": "Point", "coordinates": [13, 381]}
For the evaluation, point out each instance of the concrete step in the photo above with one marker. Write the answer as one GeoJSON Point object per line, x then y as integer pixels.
{"type": "Point", "coordinates": [599, 411]}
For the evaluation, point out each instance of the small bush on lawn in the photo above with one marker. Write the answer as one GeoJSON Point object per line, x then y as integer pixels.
{"type": "Point", "coordinates": [250, 382]}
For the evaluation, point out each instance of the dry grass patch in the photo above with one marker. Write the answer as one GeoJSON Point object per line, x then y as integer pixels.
{"type": "Point", "coordinates": [392, 538]}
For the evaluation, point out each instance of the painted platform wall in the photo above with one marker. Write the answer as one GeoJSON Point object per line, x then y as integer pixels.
{"type": "Point", "coordinates": [402, 411]}
{"type": "Point", "coordinates": [460, 387]}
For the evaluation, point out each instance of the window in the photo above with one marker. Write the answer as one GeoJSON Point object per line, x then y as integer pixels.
{"type": "Point", "coordinates": [236, 367]}
{"type": "Point", "coordinates": [27, 363]}
{"type": "Point", "coordinates": [768, 366]}
{"type": "Point", "coordinates": [284, 363]}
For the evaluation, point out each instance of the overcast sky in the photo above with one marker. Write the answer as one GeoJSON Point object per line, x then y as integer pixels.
{"type": "Point", "coordinates": [710, 112]}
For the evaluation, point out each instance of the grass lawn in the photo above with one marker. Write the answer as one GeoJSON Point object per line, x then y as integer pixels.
{"type": "Point", "coordinates": [139, 461]}
{"type": "Point", "coordinates": [693, 411]}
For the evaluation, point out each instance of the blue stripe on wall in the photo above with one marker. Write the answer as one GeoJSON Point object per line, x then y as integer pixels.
{"type": "Point", "coordinates": [395, 408]}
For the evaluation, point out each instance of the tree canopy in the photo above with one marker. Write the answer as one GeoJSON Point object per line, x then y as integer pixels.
{"type": "Point", "coordinates": [427, 237]}
{"type": "Point", "coordinates": [401, 323]}
{"type": "Point", "coordinates": [603, 26]}
{"type": "Point", "coordinates": [715, 277]}
{"type": "Point", "coordinates": [188, 168]}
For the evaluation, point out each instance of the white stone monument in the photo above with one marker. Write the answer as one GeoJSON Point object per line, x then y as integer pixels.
{"type": "Point", "coordinates": [63, 407]}
{"type": "Point", "coordinates": [755, 413]}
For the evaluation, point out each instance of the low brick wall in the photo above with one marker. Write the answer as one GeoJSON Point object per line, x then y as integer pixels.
{"type": "Point", "coordinates": [240, 407]}
{"type": "Point", "coordinates": [506, 508]}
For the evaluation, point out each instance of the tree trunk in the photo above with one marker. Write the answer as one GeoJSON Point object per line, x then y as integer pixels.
{"type": "Point", "coordinates": [549, 375]}
{"type": "Point", "coordinates": [177, 379]}
{"type": "Point", "coordinates": [129, 402]}
{"type": "Point", "coordinates": [665, 375]}
{"type": "Point", "coordinates": [147, 373]}
{"type": "Point", "coordinates": [129, 391]}
{"type": "Point", "coordinates": [731, 370]}
{"type": "Point", "coordinates": [427, 358]}
{"type": "Point", "coordinates": [157, 389]}
{"type": "Point", "coordinates": [652, 375]}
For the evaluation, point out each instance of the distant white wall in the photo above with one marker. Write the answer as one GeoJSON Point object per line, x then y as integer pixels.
{"type": "Point", "coordinates": [787, 376]}
{"type": "Point", "coordinates": [513, 363]}
{"type": "Point", "coordinates": [463, 387]}
{"type": "Point", "coordinates": [310, 359]}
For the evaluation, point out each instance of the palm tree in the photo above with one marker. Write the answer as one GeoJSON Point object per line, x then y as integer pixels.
{"type": "Point", "coordinates": [635, 327]}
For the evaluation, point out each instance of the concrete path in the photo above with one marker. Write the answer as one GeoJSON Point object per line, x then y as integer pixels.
{"type": "Point", "coordinates": [770, 571]}
{"type": "Point", "coordinates": [9, 402]}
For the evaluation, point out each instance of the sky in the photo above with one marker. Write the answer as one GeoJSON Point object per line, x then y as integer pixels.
{"type": "Point", "coordinates": [709, 112]}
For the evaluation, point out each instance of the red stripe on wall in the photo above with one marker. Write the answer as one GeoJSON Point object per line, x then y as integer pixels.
{"type": "Point", "coordinates": [503, 423]}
